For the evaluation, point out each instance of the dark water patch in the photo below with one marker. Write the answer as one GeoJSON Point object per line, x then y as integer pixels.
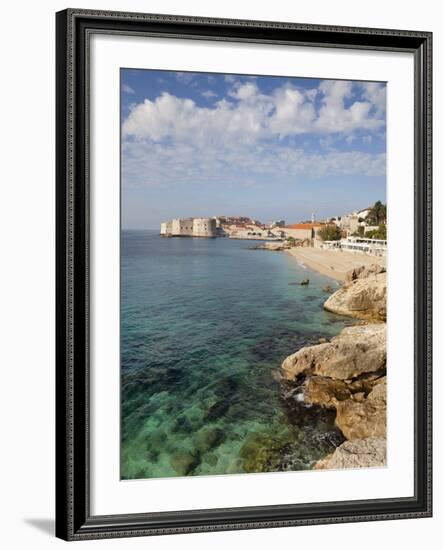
{"type": "Point", "coordinates": [299, 413]}
{"type": "Point", "coordinates": [310, 298]}
{"type": "Point", "coordinates": [218, 409]}
{"type": "Point", "coordinates": [316, 423]}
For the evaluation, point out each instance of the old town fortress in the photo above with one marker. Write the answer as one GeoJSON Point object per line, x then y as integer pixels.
{"type": "Point", "coordinates": [189, 227]}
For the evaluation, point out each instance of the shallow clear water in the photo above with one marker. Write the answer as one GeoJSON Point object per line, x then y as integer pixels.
{"type": "Point", "coordinates": [204, 325]}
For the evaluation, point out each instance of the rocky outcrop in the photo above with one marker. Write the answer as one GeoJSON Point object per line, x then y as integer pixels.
{"type": "Point", "coordinates": [362, 296]}
{"type": "Point", "coordinates": [362, 272]}
{"type": "Point", "coordinates": [355, 351]}
{"type": "Point", "coordinates": [361, 408]}
{"type": "Point", "coordinates": [361, 453]}
{"type": "Point", "coordinates": [326, 392]}
{"type": "Point", "coordinates": [273, 246]}
{"type": "Point", "coordinates": [348, 373]}
{"type": "Point", "coordinates": [360, 417]}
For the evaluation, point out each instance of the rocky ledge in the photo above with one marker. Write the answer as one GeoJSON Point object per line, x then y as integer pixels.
{"type": "Point", "coordinates": [273, 246]}
{"type": "Point", "coordinates": [348, 373]}
{"type": "Point", "coordinates": [362, 296]}
{"type": "Point", "coordinates": [362, 453]}
{"type": "Point", "coordinates": [357, 350]}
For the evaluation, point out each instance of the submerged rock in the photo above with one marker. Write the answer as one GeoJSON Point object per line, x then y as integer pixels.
{"type": "Point", "coordinates": [211, 459]}
{"type": "Point", "coordinates": [361, 453]}
{"type": "Point", "coordinates": [363, 297]}
{"type": "Point", "coordinates": [219, 408]}
{"type": "Point", "coordinates": [356, 350]}
{"type": "Point", "coordinates": [208, 438]}
{"type": "Point", "coordinates": [260, 452]}
{"type": "Point", "coordinates": [183, 463]}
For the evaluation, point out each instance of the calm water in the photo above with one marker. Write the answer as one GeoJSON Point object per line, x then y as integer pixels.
{"type": "Point", "coordinates": [205, 325]}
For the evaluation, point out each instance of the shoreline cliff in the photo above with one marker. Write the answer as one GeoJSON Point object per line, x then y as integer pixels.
{"type": "Point", "coordinates": [347, 375]}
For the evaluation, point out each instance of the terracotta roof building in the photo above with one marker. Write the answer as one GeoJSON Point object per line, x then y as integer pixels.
{"type": "Point", "coordinates": [304, 225]}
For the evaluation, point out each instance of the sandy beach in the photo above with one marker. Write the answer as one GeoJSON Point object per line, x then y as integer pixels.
{"type": "Point", "coordinates": [333, 263]}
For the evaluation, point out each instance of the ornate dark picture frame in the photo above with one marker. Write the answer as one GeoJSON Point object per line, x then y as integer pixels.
{"type": "Point", "coordinates": [73, 517]}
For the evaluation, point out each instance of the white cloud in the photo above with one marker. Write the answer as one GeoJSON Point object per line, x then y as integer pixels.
{"type": "Point", "coordinates": [127, 89]}
{"type": "Point", "coordinates": [150, 164]}
{"type": "Point", "coordinates": [244, 91]}
{"type": "Point", "coordinates": [288, 111]}
{"type": "Point", "coordinates": [294, 113]}
{"type": "Point", "coordinates": [246, 134]}
{"type": "Point", "coordinates": [184, 78]}
{"type": "Point", "coordinates": [169, 117]}
{"type": "Point", "coordinates": [209, 94]}
{"type": "Point", "coordinates": [311, 94]}
{"type": "Point", "coordinates": [335, 117]}
{"type": "Point", "coordinates": [375, 93]}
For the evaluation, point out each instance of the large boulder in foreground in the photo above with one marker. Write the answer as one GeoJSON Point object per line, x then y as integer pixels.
{"type": "Point", "coordinates": [362, 418]}
{"type": "Point", "coordinates": [355, 351]}
{"type": "Point", "coordinates": [362, 297]}
{"type": "Point", "coordinates": [361, 453]}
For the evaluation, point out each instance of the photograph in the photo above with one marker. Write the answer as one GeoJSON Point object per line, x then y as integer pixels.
{"type": "Point", "coordinates": [253, 274]}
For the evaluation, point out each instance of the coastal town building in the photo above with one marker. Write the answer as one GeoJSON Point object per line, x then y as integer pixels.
{"type": "Point", "coordinates": [277, 223]}
{"type": "Point", "coordinates": [166, 228]}
{"type": "Point", "coordinates": [374, 247]}
{"type": "Point", "coordinates": [352, 224]}
{"type": "Point", "coordinates": [349, 224]}
{"type": "Point", "coordinates": [363, 214]}
{"type": "Point", "coordinates": [254, 232]}
{"type": "Point", "coordinates": [189, 227]}
{"type": "Point", "coordinates": [302, 231]}
{"type": "Point", "coordinates": [368, 228]}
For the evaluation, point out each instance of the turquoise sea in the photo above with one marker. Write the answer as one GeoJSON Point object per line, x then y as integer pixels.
{"type": "Point", "coordinates": [205, 325]}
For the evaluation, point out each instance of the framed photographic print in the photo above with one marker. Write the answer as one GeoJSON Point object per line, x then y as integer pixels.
{"type": "Point", "coordinates": [243, 274]}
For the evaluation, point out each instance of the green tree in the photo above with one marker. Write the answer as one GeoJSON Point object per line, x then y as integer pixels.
{"type": "Point", "coordinates": [377, 215]}
{"type": "Point", "coordinates": [360, 231]}
{"type": "Point", "coordinates": [380, 233]}
{"type": "Point", "coordinates": [329, 233]}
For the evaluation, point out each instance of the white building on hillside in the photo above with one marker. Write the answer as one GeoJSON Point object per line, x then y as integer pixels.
{"type": "Point", "coordinates": [374, 247]}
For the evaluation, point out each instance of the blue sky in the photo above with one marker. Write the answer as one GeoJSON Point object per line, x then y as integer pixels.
{"type": "Point", "coordinates": [200, 144]}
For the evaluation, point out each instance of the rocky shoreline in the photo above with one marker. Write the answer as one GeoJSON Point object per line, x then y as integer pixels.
{"type": "Point", "coordinates": [347, 375]}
